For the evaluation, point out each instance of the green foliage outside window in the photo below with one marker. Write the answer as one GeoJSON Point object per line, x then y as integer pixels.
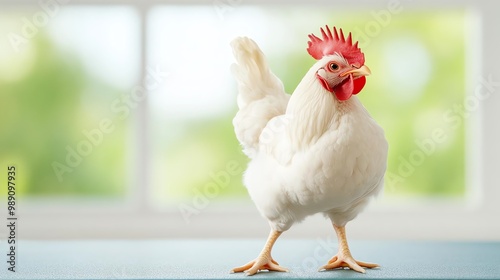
{"type": "Point", "coordinates": [47, 108]}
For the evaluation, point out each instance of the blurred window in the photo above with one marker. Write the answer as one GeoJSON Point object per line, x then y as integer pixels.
{"type": "Point", "coordinates": [64, 74]}
{"type": "Point", "coordinates": [71, 93]}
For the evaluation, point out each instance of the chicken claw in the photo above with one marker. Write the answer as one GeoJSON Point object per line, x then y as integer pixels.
{"type": "Point", "coordinates": [347, 261]}
{"type": "Point", "coordinates": [261, 263]}
{"type": "Point", "coordinates": [264, 261]}
{"type": "Point", "coordinates": [344, 258]}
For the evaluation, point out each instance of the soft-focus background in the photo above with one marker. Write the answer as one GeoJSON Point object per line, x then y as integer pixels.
{"type": "Point", "coordinates": [117, 114]}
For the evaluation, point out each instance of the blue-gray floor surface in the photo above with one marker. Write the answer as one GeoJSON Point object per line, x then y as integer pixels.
{"type": "Point", "coordinates": [213, 259]}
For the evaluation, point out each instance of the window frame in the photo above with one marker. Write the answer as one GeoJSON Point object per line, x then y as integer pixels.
{"type": "Point", "coordinates": [471, 218]}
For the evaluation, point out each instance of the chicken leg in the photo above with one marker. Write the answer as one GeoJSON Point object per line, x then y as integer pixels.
{"type": "Point", "coordinates": [264, 261]}
{"type": "Point", "coordinates": [344, 257]}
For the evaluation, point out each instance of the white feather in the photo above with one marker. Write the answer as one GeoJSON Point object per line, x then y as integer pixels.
{"type": "Point", "coordinates": [310, 153]}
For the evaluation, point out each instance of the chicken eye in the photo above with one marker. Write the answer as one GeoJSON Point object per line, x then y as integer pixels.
{"type": "Point", "coordinates": [333, 66]}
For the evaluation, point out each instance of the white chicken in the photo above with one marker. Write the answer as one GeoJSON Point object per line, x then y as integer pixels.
{"type": "Point", "coordinates": [316, 151]}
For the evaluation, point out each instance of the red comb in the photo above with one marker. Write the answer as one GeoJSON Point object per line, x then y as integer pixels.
{"type": "Point", "coordinates": [335, 43]}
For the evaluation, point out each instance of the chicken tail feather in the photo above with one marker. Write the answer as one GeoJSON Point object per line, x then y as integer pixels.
{"type": "Point", "coordinates": [261, 95]}
{"type": "Point", "coordinates": [255, 80]}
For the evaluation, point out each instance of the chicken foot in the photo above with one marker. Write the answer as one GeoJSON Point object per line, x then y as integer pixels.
{"type": "Point", "coordinates": [264, 261]}
{"type": "Point", "coordinates": [344, 257]}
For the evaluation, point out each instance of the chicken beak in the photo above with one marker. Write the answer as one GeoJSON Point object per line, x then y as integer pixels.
{"type": "Point", "coordinates": [359, 72]}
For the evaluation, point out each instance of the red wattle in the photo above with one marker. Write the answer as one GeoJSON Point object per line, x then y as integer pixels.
{"type": "Point", "coordinates": [359, 83]}
{"type": "Point", "coordinates": [345, 89]}
{"type": "Point", "coordinates": [349, 87]}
